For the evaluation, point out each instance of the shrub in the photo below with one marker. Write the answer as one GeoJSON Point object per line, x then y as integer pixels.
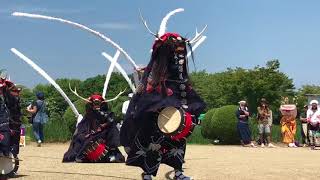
{"type": "Point", "coordinates": [206, 124]}
{"type": "Point", "coordinates": [197, 138]}
{"type": "Point", "coordinates": [222, 125]}
{"type": "Point", "coordinates": [69, 117]}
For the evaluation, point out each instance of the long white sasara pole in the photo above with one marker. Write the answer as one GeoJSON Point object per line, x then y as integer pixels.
{"type": "Point", "coordinates": [121, 70]}
{"type": "Point", "coordinates": [163, 25]}
{"type": "Point", "coordinates": [83, 27]}
{"type": "Point", "coordinates": [51, 81]}
{"type": "Point", "coordinates": [109, 73]}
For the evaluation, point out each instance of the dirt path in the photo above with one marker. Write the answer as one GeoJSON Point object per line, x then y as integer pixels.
{"type": "Point", "coordinates": [202, 162]}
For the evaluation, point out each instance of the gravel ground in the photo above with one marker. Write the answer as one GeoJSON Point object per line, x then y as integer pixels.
{"type": "Point", "coordinates": [202, 162]}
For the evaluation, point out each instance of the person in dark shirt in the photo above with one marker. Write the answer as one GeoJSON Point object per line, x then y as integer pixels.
{"type": "Point", "coordinates": [304, 126]}
{"type": "Point", "coordinates": [38, 110]}
{"type": "Point", "coordinates": [242, 114]}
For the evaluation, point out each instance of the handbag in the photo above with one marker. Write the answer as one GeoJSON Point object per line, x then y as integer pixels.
{"type": "Point", "coordinates": [31, 118]}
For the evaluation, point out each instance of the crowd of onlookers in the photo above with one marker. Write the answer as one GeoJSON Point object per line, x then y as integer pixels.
{"type": "Point", "coordinates": [309, 117]}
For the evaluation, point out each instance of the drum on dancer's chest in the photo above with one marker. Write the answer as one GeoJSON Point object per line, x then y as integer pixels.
{"type": "Point", "coordinates": [96, 151]}
{"type": "Point", "coordinates": [175, 123]}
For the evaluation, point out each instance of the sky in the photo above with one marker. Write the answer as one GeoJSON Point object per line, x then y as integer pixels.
{"type": "Point", "coordinates": [240, 33]}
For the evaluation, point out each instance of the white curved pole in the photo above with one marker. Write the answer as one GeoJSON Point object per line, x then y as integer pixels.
{"type": "Point", "coordinates": [51, 81]}
{"type": "Point", "coordinates": [83, 27]}
{"type": "Point", "coordinates": [197, 44]}
{"type": "Point", "coordinates": [121, 70]}
{"type": "Point", "coordinates": [163, 25]}
{"type": "Point", "coordinates": [109, 73]}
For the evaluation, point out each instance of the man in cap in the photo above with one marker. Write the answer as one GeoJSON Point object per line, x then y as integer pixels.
{"type": "Point", "coordinates": [313, 119]}
{"type": "Point", "coordinates": [242, 114]}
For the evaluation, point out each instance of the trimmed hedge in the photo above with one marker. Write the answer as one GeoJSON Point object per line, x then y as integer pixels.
{"type": "Point", "coordinates": [221, 124]}
{"type": "Point", "coordinates": [206, 124]}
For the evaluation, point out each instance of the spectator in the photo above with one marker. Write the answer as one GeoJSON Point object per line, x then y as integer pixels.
{"type": "Point", "coordinates": [313, 119]}
{"type": "Point", "coordinates": [265, 123]}
{"type": "Point", "coordinates": [40, 117]}
{"type": "Point", "coordinates": [242, 114]}
{"type": "Point", "coordinates": [304, 126]}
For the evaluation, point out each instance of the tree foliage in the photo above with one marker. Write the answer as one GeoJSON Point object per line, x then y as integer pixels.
{"type": "Point", "coordinates": [233, 85]}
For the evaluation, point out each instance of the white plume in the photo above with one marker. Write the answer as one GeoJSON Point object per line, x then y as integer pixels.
{"type": "Point", "coordinates": [83, 27]}
{"type": "Point", "coordinates": [163, 25]}
{"type": "Point", "coordinates": [48, 78]}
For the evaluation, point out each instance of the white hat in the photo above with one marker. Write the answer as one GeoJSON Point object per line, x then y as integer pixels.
{"type": "Point", "coordinates": [314, 102]}
{"type": "Point", "coordinates": [130, 95]}
{"type": "Point", "coordinates": [242, 102]}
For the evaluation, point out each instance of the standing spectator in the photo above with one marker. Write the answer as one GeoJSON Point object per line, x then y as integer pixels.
{"type": "Point", "coordinates": [304, 126]}
{"type": "Point", "coordinates": [242, 114]}
{"type": "Point", "coordinates": [265, 123]}
{"type": "Point", "coordinates": [313, 119]}
{"type": "Point", "coordinates": [40, 117]}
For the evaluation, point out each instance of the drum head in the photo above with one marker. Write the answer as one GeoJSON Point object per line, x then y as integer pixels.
{"type": "Point", "coordinates": [169, 120]}
{"type": "Point", "coordinates": [6, 164]}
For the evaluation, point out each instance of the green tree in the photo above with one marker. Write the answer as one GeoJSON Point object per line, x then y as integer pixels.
{"type": "Point", "coordinates": [233, 85]}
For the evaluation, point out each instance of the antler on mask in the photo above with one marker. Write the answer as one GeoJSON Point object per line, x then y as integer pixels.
{"type": "Point", "coordinates": [146, 26]}
{"type": "Point", "coordinates": [197, 36]}
{"type": "Point", "coordinates": [121, 92]}
{"type": "Point", "coordinates": [76, 93]}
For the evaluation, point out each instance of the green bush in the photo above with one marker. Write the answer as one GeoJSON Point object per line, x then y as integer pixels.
{"type": "Point", "coordinates": [197, 138]}
{"type": "Point", "coordinates": [206, 124]}
{"type": "Point", "coordinates": [69, 117]}
{"type": "Point", "coordinates": [221, 124]}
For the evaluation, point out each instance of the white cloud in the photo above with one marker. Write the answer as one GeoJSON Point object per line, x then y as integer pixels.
{"type": "Point", "coordinates": [115, 25]}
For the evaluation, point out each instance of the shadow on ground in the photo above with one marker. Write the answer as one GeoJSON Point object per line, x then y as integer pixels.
{"type": "Point", "coordinates": [71, 173]}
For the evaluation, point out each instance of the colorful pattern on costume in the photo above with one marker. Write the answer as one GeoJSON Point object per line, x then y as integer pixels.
{"type": "Point", "coordinates": [288, 122]}
{"type": "Point", "coordinates": [165, 83]}
{"type": "Point", "coordinates": [10, 121]}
